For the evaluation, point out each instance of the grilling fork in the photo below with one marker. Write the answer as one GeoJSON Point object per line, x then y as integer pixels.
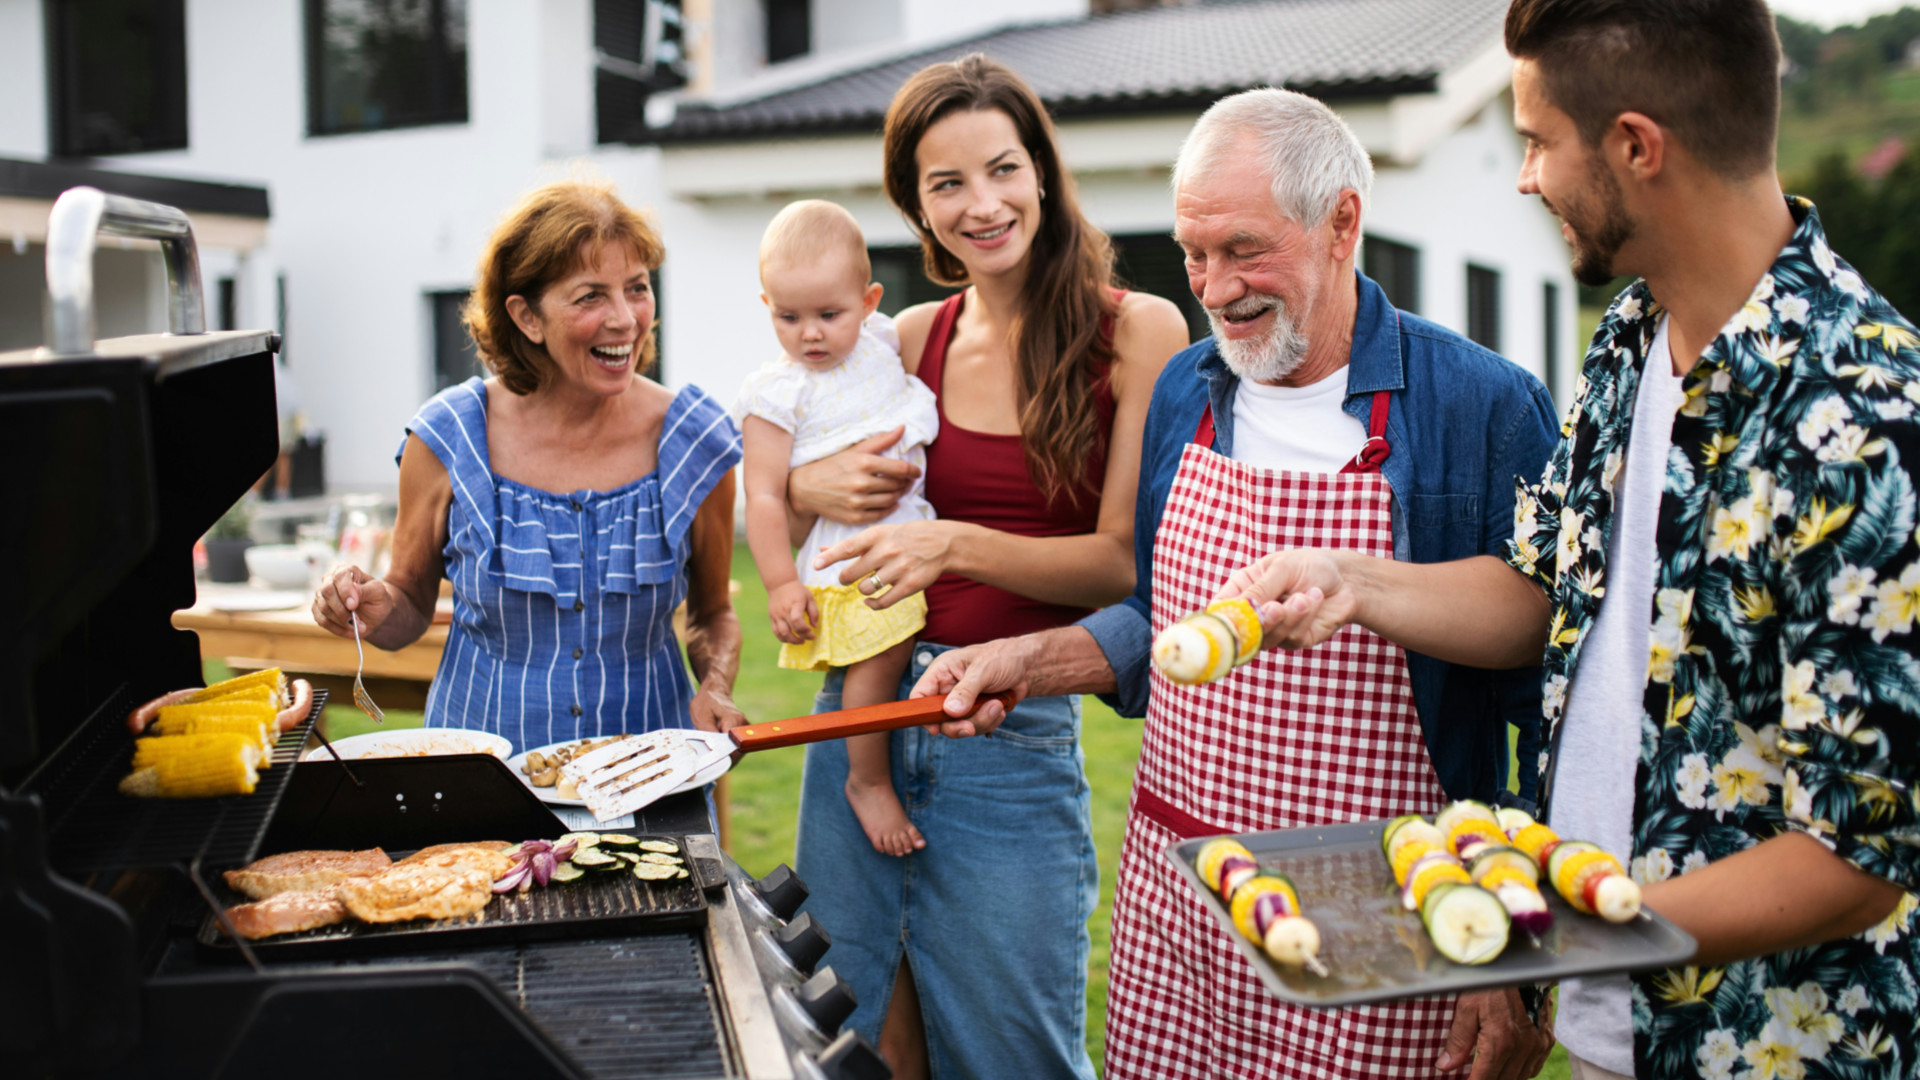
{"type": "Point", "coordinates": [360, 695]}
{"type": "Point", "coordinates": [634, 770]}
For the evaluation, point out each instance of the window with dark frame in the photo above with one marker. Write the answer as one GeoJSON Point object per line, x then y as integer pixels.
{"type": "Point", "coordinates": [1550, 343]}
{"type": "Point", "coordinates": [229, 303]}
{"type": "Point", "coordinates": [1483, 306]}
{"type": "Point", "coordinates": [640, 49]}
{"type": "Point", "coordinates": [373, 65]}
{"type": "Point", "coordinates": [1396, 268]}
{"type": "Point", "coordinates": [455, 360]}
{"type": "Point", "coordinates": [116, 76]}
{"type": "Point", "coordinates": [789, 29]}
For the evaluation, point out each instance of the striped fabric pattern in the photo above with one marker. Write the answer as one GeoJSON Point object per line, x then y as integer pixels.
{"type": "Point", "coordinates": [563, 602]}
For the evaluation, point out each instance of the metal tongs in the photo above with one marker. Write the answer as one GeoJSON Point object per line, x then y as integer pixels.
{"type": "Point", "coordinates": [635, 770]}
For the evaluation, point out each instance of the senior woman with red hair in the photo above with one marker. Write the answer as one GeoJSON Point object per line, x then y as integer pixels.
{"type": "Point", "coordinates": [573, 501]}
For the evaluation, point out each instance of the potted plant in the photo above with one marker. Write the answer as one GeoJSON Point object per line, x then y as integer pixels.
{"type": "Point", "coordinates": [228, 541]}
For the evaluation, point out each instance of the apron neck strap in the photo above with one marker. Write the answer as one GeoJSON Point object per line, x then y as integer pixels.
{"type": "Point", "coordinates": [1368, 460]}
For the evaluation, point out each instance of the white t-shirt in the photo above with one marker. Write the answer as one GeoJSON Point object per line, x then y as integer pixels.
{"type": "Point", "coordinates": [1296, 428]}
{"type": "Point", "coordinates": [1600, 737]}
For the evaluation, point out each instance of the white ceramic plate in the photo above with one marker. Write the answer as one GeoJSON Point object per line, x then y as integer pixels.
{"type": "Point", "coordinates": [413, 742]}
{"type": "Point", "coordinates": [550, 795]}
{"type": "Point", "coordinates": [257, 600]}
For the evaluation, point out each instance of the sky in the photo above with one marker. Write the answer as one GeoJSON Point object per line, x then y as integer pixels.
{"type": "Point", "coordinates": [1830, 13]}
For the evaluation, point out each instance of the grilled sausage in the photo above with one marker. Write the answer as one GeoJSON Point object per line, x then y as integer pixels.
{"type": "Point", "coordinates": [290, 717]}
{"type": "Point", "coordinates": [140, 718]}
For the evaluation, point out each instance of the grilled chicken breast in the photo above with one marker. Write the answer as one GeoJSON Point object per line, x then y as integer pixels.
{"type": "Point", "coordinates": [417, 891]}
{"type": "Point", "coordinates": [489, 856]}
{"type": "Point", "coordinates": [304, 870]}
{"type": "Point", "coordinates": [288, 912]}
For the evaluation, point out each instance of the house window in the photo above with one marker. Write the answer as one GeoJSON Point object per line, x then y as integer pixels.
{"type": "Point", "coordinates": [455, 360]}
{"type": "Point", "coordinates": [1396, 267]}
{"type": "Point", "coordinates": [639, 50]}
{"type": "Point", "coordinates": [1483, 306]}
{"type": "Point", "coordinates": [901, 272]}
{"type": "Point", "coordinates": [379, 64]}
{"type": "Point", "coordinates": [1550, 344]}
{"type": "Point", "coordinates": [117, 76]}
{"type": "Point", "coordinates": [228, 297]}
{"type": "Point", "coordinates": [789, 29]}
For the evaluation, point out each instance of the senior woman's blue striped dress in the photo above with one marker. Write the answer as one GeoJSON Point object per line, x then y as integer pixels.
{"type": "Point", "coordinates": [563, 602]}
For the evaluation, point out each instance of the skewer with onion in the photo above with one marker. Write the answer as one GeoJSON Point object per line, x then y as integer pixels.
{"type": "Point", "coordinates": [1264, 904]}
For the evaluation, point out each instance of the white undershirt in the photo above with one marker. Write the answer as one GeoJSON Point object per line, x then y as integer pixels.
{"type": "Point", "coordinates": [1600, 736]}
{"type": "Point", "coordinates": [1296, 428]}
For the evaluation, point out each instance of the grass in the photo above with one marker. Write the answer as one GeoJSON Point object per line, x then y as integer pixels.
{"type": "Point", "coordinates": [766, 785]}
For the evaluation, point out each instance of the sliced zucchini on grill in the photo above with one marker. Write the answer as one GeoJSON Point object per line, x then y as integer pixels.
{"type": "Point", "coordinates": [618, 840]}
{"type": "Point", "coordinates": [663, 860]}
{"type": "Point", "coordinates": [584, 839]}
{"type": "Point", "coordinates": [647, 871]}
{"type": "Point", "coordinates": [566, 871]}
{"type": "Point", "coordinates": [590, 859]}
{"type": "Point", "coordinates": [661, 846]}
{"type": "Point", "coordinates": [627, 855]}
{"type": "Point", "coordinates": [682, 872]}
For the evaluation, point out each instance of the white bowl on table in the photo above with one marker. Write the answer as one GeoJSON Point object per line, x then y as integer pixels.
{"type": "Point", "coordinates": [279, 566]}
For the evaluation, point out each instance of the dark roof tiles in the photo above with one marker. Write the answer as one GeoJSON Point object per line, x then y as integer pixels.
{"type": "Point", "coordinates": [1168, 57]}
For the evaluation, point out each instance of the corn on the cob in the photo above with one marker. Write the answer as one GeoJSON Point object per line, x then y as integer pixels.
{"type": "Point", "coordinates": [192, 766]}
{"type": "Point", "coordinates": [255, 719]}
{"type": "Point", "coordinates": [271, 678]}
{"type": "Point", "coordinates": [256, 733]}
{"type": "Point", "coordinates": [260, 695]}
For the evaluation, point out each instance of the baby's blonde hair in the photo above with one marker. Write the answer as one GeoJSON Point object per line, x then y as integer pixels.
{"type": "Point", "coordinates": [806, 230]}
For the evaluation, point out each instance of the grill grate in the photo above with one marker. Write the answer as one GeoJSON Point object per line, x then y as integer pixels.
{"type": "Point", "coordinates": [635, 1008]}
{"type": "Point", "coordinates": [91, 826]}
{"type": "Point", "coordinates": [594, 904]}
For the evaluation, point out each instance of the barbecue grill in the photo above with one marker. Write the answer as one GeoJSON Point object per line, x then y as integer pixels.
{"type": "Point", "coordinates": [118, 455]}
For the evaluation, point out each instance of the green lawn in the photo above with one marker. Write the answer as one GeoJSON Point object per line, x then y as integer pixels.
{"type": "Point", "coordinates": [766, 786]}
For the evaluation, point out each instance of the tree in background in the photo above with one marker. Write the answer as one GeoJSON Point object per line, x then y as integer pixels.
{"type": "Point", "coordinates": [1874, 226]}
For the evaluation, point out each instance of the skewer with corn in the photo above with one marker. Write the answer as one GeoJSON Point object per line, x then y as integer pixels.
{"type": "Point", "coordinates": [1207, 645]}
{"type": "Point", "coordinates": [193, 766]}
{"type": "Point", "coordinates": [1588, 878]}
{"type": "Point", "coordinates": [1264, 904]}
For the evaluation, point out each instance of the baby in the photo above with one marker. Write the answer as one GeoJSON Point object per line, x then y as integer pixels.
{"type": "Point", "coordinates": [838, 382]}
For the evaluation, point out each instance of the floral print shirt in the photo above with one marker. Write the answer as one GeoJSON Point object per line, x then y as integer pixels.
{"type": "Point", "coordinates": [1783, 688]}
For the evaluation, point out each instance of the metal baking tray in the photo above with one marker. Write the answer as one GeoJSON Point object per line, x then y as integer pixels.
{"type": "Point", "coordinates": [1376, 950]}
{"type": "Point", "coordinates": [596, 903]}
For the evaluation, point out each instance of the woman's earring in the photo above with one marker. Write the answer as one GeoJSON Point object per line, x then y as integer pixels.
{"type": "Point", "coordinates": [924, 227]}
{"type": "Point", "coordinates": [1043, 193]}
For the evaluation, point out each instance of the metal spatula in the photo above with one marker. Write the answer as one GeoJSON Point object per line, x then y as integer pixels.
{"type": "Point", "coordinates": [633, 771]}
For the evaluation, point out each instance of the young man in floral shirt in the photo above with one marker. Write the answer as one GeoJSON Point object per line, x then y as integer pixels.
{"type": "Point", "coordinates": [1720, 562]}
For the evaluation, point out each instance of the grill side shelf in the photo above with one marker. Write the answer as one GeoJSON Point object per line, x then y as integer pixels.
{"type": "Point", "coordinates": [92, 827]}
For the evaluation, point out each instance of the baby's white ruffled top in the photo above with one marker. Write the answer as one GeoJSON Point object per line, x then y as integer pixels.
{"type": "Point", "coordinates": [827, 411]}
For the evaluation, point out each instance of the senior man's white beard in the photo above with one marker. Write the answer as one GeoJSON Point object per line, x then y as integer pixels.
{"type": "Point", "coordinates": [1265, 359]}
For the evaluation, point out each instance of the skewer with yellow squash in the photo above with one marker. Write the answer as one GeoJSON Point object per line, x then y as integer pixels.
{"type": "Point", "coordinates": [1467, 923]}
{"type": "Point", "coordinates": [1589, 879]}
{"type": "Point", "coordinates": [1265, 906]}
{"type": "Point", "coordinates": [1207, 645]}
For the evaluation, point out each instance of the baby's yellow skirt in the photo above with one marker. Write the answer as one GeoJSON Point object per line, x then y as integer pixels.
{"type": "Point", "coordinates": [850, 631]}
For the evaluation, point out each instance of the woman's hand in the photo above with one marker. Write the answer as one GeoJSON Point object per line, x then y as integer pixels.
{"type": "Point", "coordinates": [712, 709]}
{"type": "Point", "coordinates": [794, 612]}
{"type": "Point", "coordinates": [351, 589]}
{"type": "Point", "coordinates": [856, 486]}
{"type": "Point", "coordinates": [899, 560]}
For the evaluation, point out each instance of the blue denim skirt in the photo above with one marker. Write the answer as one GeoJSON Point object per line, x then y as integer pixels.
{"type": "Point", "coordinates": [991, 915]}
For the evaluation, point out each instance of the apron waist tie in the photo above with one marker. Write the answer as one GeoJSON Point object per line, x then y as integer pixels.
{"type": "Point", "coordinates": [1170, 817]}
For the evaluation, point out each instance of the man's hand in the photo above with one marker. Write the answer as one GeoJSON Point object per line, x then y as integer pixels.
{"type": "Point", "coordinates": [1491, 1030]}
{"type": "Point", "coordinates": [965, 674]}
{"type": "Point", "coordinates": [793, 611]}
{"type": "Point", "coordinates": [1301, 595]}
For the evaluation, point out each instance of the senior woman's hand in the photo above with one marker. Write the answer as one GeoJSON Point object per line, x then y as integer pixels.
{"type": "Point", "coordinates": [349, 589]}
{"type": "Point", "coordinates": [856, 486]}
{"type": "Point", "coordinates": [899, 560]}
{"type": "Point", "coordinates": [712, 709]}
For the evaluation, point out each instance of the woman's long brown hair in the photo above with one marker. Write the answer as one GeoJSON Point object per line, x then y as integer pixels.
{"type": "Point", "coordinates": [1062, 335]}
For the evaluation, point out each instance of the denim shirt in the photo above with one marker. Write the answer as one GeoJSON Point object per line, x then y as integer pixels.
{"type": "Point", "coordinates": [1463, 424]}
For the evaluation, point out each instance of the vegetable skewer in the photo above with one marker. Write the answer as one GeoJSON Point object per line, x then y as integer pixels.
{"type": "Point", "coordinates": [1589, 879]}
{"type": "Point", "coordinates": [1264, 904]}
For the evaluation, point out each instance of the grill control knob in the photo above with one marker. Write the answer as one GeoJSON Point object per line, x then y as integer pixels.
{"type": "Point", "coordinates": [827, 1000]}
{"type": "Point", "coordinates": [852, 1057]}
{"type": "Point", "coordinates": [781, 891]}
{"type": "Point", "coordinates": [803, 942]}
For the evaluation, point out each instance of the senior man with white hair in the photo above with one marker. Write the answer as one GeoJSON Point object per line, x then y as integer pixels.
{"type": "Point", "coordinates": [1316, 415]}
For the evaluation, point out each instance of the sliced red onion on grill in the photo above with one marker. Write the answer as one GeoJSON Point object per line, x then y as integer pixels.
{"type": "Point", "coordinates": [513, 878]}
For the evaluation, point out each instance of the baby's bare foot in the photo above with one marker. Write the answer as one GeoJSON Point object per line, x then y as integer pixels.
{"type": "Point", "coordinates": [882, 816]}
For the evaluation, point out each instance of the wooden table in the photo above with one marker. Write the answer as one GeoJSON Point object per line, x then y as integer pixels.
{"type": "Point", "coordinates": [290, 639]}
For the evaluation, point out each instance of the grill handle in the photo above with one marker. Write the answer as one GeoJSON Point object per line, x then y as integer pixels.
{"type": "Point", "coordinates": [80, 217]}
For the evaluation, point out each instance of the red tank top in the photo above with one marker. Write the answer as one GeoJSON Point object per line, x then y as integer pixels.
{"type": "Point", "coordinates": [983, 479]}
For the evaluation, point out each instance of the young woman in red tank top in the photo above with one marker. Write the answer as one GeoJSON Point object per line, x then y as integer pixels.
{"type": "Point", "coordinates": [1043, 371]}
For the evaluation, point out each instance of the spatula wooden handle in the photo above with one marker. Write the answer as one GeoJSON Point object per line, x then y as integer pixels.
{"type": "Point", "coordinates": [861, 721]}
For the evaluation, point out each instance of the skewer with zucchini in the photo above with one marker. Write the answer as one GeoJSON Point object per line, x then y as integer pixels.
{"type": "Point", "coordinates": [1589, 879]}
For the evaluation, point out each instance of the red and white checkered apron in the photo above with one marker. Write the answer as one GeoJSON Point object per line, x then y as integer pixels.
{"type": "Point", "coordinates": [1292, 739]}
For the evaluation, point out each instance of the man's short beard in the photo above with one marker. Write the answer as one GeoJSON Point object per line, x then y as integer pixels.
{"type": "Point", "coordinates": [1597, 237]}
{"type": "Point", "coordinates": [1265, 359]}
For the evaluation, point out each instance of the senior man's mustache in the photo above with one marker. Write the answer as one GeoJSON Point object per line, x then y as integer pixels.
{"type": "Point", "coordinates": [1248, 308]}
